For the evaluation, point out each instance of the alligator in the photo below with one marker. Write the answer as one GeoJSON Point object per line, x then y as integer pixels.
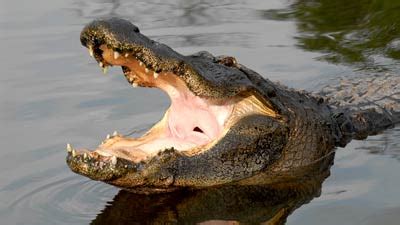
{"type": "Point", "coordinates": [226, 124]}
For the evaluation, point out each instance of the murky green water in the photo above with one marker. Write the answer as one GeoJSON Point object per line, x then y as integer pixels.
{"type": "Point", "coordinates": [52, 93]}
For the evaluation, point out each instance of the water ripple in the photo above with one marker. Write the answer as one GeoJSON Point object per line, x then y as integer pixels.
{"type": "Point", "coordinates": [59, 200]}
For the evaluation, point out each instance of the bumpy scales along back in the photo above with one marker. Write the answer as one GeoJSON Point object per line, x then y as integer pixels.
{"type": "Point", "coordinates": [365, 105]}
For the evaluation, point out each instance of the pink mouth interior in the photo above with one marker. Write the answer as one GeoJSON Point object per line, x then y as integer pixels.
{"type": "Point", "coordinates": [192, 119]}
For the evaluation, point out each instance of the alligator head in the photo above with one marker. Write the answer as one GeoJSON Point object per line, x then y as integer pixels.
{"type": "Point", "coordinates": [225, 122]}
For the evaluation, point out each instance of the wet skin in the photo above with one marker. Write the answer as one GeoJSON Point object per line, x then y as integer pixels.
{"type": "Point", "coordinates": [226, 125]}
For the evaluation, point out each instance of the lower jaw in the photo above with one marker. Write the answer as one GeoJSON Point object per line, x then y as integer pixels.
{"type": "Point", "coordinates": [144, 148]}
{"type": "Point", "coordinates": [164, 135]}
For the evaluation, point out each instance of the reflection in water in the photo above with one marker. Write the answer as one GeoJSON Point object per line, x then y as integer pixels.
{"type": "Point", "coordinates": [244, 204]}
{"type": "Point", "coordinates": [386, 144]}
{"type": "Point", "coordinates": [348, 32]}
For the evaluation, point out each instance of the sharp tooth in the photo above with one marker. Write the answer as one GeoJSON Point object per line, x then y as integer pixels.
{"type": "Point", "coordinates": [140, 63]}
{"type": "Point", "coordinates": [90, 51]}
{"type": "Point", "coordinates": [102, 142]}
{"type": "Point", "coordinates": [114, 160]}
{"type": "Point", "coordinates": [108, 136]}
{"type": "Point", "coordinates": [73, 153]}
{"type": "Point", "coordinates": [101, 64]}
{"type": "Point", "coordinates": [130, 79]}
{"type": "Point", "coordinates": [135, 85]}
{"type": "Point", "coordinates": [126, 54]}
{"type": "Point", "coordinates": [85, 155]}
{"type": "Point", "coordinates": [105, 69]}
{"type": "Point", "coordinates": [155, 75]}
{"type": "Point", "coordinates": [115, 133]}
{"type": "Point", "coordinates": [116, 55]}
{"type": "Point", "coordinates": [69, 147]}
{"type": "Point", "coordinates": [146, 70]}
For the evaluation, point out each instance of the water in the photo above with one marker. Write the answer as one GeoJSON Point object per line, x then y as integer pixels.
{"type": "Point", "coordinates": [52, 93]}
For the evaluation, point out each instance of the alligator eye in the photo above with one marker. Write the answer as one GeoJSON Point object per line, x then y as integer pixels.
{"type": "Point", "coordinates": [197, 129]}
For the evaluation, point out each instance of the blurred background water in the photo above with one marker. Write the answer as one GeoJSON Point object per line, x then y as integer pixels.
{"type": "Point", "coordinates": [52, 93]}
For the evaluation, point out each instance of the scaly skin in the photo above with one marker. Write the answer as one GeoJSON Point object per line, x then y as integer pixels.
{"type": "Point", "coordinates": [257, 150]}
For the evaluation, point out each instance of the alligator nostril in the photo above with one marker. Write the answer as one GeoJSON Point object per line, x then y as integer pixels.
{"type": "Point", "coordinates": [136, 29]}
{"type": "Point", "coordinates": [197, 129]}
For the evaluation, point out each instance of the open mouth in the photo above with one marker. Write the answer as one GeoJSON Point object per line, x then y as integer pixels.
{"type": "Point", "coordinates": [189, 124]}
{"type": "Point", "coordinates": [207, 96]}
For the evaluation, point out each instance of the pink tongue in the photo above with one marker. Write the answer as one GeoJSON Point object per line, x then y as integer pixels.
{"type": "Point", "coordinates": [192, 121]}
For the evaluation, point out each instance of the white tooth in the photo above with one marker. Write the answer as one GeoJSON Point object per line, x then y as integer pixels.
{"type": "Point", "coordinates": [90, 51]}
{"type": "Point", "coordinates": [126, 166]}
{"type": "Point", "coordinates": [69, 147]}
{"type": "Point", "coordinates": [130, 79]}
{"type": "Point", "coordinates": [101, 64]}
{"type": "Point", "coordinates": [102, 142]}
{"type": "Point", "coordinates": [114, 160]}
{"type": "Point", "coordinates": [146, 70]}
{"type": "Point", "coordinates": [115, 133]}
{"type": "Point", "coordinates": [73, 153]}
{"type": "Point", "coordinates": [155, 75]}
{"type": "Point", "coordinates": [135, 85]}
{"type": "Point", "coordinates": [126, 54]}
{"type": "Point", "coordinates": [108, 136]}
{"type": "Point", "coordinates": [85, 155]}
{"type": "Point", "coordinates": [116, 55]}
{"type": "Point", "coordinates": [140, 63]}
{"type": "Point", "coordinates": [105, 69]}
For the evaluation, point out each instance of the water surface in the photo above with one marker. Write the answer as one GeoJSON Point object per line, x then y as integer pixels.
{"type": "Point", "coordinates": [52, 93]}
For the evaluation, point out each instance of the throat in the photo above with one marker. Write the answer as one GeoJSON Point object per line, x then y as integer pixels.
{"type": "Point", "coordinates": [195, 120]}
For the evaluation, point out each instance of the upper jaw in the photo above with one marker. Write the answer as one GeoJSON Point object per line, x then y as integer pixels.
{"type": "Point", "coordinates": [150, 64]}
{"type": "Point", "coordinates": [203, 74]}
